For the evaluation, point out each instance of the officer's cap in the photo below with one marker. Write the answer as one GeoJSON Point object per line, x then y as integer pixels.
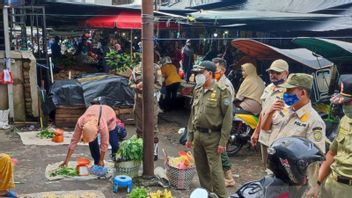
{"type": "Point", "coordinates": [299, 80]}
{"type": "Point", "coordinates": [278, 65]}
{"type": "Point", "coordinates": [205, 65]}
{"type": "Point", "coordinates": [345, 94]}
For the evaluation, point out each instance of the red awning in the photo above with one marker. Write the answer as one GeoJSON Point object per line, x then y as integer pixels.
{"type": "Point", "coordinates": [123, 20]}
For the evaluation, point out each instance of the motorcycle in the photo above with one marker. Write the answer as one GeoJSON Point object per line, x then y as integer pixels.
{"type": "Point", "coordinates": [243, 126]}
{"type": "Point", "coordinates": [288, 159]}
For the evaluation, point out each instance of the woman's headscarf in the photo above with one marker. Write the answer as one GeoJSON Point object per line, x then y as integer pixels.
{"type": "Point", "coordinates": [6, 172]}
{"type": "Point", "coordinates": [252, 86]}
{"type": "Point", "coordinates": [90, 130]}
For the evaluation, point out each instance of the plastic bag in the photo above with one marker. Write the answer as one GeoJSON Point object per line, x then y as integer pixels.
{"type": "Point", "coordinates": [6, 77]}
{"type": "Point", "coordinates": [99, 171]}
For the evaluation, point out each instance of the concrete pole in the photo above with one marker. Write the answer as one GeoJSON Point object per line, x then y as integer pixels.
{"type": "Point", "coordinates": [148, 87]}
{"type": "Point", "coordinates": [8, 58]}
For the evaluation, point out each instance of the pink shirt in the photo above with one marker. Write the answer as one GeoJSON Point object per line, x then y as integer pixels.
{"type": "Point", "coordinates": [107, 123]}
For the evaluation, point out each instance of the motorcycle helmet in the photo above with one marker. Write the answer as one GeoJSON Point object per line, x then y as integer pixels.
{"type": "Point", "coordinates": [289, 157]}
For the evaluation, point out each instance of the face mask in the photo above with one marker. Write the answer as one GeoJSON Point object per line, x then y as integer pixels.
{"type": "Point", "coordinates": [347, 110]}
{"type": "Point", "coordinates": [200, 79]}
{"type": "Point", "coordinates": [188, 44]}
{"type": "Point", "coordinates": [290, 99]}
{"type": "Point", "coordinates": [278, 82]}
{"type": "Point", "coordinates": [217, 75]}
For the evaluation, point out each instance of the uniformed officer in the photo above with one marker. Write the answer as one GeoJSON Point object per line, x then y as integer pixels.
{"type": "Point", "coordinates": [278, 73]}
{"type": "Point", "coordinates": [209, 127]}
{"type": "Point", "coordinates": [294, 114]}
{"type": "Point", "coordinates": [336, 170]}
{"type": "Point", "coordinates": [137, 84]}
{"type": "Point", "coordinates": [220, 76]}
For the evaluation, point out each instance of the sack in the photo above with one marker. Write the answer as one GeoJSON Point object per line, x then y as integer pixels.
{"type": "Point", "coordinates": [4, 119]}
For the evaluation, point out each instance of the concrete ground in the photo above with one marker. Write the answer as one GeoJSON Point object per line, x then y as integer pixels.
{"type": "Point", "coordinates": [32, 161]}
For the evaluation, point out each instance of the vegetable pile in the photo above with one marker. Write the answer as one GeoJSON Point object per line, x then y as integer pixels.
{"type": "Point", "coordinates": [131, 149]}
{"type": "Point", "coordinates": [139, 192]}
{"type": "Point", "coordinates": [46, 134]}
{"type": "Point", "coordinates": [64, 171]}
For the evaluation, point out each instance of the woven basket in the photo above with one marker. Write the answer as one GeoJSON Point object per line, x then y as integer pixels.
{"type": "Point", "coordinates": [129, 168]}
{"type": "Point", "coordinates": [180, 178]}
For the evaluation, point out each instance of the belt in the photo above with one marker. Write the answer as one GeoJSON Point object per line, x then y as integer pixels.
{"type": "Point", "coordinates": [342, 179]}
{"type": "Point", "coordinates": [207, 130]}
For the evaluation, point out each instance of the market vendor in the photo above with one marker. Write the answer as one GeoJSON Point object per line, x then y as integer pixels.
{"type": "Point", "coordinates": [97, 119]}
{"type": "Point", "coordinates": [6, 176]}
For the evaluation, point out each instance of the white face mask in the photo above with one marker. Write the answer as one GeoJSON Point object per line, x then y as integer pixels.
{"type": "Point", "coordinates": [200, 79]}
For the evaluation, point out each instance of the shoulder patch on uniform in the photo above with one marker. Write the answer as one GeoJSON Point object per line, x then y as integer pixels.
{"type": "Point", "coordinates": [222, 86]}
{"type": "Point", "coordinates": [317, 133]}
{"type": "Point", "coordinates": [227, 101]}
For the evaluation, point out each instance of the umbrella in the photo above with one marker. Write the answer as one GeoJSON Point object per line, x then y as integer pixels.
{"type": "Point", "coordinates": [262, 51]}
{"type": "Point", "coordinates": [123, 20]}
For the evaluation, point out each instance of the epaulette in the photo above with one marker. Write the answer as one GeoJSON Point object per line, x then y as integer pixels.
{"type": "Point", "coordinates": [221, 85]}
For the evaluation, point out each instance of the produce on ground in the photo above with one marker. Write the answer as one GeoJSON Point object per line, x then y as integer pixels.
{"type": "Point", "coordinates": [160, 194]}
{"type": "Point", "coordinates": [64, 171]}
{"type": "Point", "coordinates": [138, 192]}
{"type": "Point", "coordinates": [184, 161]}
{"type": "Point", "coordinates": [131, 149]}
{"type": "Point", "coordinates": [46, 134]}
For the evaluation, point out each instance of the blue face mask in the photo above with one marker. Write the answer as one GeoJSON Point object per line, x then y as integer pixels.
{"type": "Point", "coordinates": [289, 99]}
{"type": "Point", "coordinates": [276, 83]}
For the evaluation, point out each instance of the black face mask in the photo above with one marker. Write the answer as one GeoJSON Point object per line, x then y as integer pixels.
{"type": "Point", "coordinates": [278, 82]}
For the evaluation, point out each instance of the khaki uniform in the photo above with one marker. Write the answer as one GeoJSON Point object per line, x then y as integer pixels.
{"type": "Point", "coordinates": [209, 126]}
{"type": "Point", "coordinates": [305, 122]}
{"type": "Point", "coordinates": [342, 165]}
{"type": "Point", "coordinates": [229, 85]}
{"type": "Point", "coordinates": [226, 164]}
{"type": "Point", "coordinates": [271, 93]}
{"type": "Point", "coordinates": [135, 78]}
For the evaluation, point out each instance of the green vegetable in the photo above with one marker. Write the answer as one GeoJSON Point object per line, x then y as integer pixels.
{"type": "Point", "coordinates": [64, 171]}
{"type": "Point", "coordinates": [131, 149]}
{"type": "Point", "coordinates": [139, 192]}
{"type": "Point", "coordinates": [46, 133]}
{"type": "Point", "coordinates": [120, 62]}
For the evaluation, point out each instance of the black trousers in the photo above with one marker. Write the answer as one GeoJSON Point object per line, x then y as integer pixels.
{"type": "Point", "coordinates": [113, 140]}
{"type": "Point", "coordinates": [171, 94]}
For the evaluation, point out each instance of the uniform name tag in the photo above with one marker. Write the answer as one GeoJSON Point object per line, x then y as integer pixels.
{"type": "Point", "coordinates": [300, 124]}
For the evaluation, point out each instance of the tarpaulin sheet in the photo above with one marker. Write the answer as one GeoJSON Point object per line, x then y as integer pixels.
{"type": "Point", "coordinates": [63, 93]}
{"type": "Point", "coordinates": [67, 92]}
{"type": "Point", "coordinates": [114, 88]}
{"type": "Point", "coordinates": [339, 52]}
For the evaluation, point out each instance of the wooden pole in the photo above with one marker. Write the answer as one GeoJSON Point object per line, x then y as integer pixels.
{"type": "Point", "coordinates": [148, 87]}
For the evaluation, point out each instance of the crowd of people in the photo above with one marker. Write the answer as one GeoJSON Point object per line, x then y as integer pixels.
{"type": "Point", "coordinates": [283, 107]}
{"type": "Point", "coordinates": [285, 110]}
